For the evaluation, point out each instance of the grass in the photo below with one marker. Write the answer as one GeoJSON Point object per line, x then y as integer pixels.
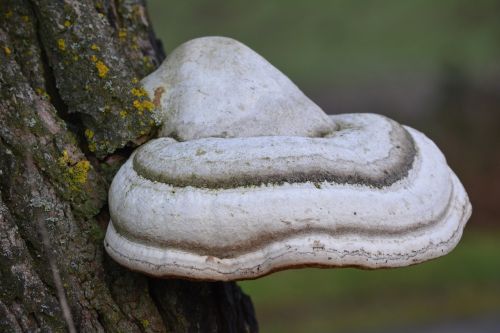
{"type": "Point", "coordinates": [463, 283]}
{"type": "Point", "coordinates": [342, 40]}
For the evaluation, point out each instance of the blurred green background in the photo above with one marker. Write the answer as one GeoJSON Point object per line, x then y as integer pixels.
{"type": "Point", "coordinates": [433, 65]}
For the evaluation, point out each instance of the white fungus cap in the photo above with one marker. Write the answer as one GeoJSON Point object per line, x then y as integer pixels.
{"type": "Point", "coordinates": [218, 87]}
{"type": "Point", "coordinates": [363, 191]}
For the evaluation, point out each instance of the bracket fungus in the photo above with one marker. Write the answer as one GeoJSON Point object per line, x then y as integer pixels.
{"type": "Point", "coordinates": [257, 179]}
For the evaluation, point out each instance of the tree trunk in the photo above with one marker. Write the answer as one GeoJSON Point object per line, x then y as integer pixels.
{"type": "Point", "coordinates": [70, 115]}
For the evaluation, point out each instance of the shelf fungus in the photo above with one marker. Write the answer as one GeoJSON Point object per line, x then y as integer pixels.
{"type": "Point", "coordinates": [290, 190]}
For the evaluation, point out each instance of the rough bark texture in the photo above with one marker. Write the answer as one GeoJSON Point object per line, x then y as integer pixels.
{"type": "Point", "coordinates": [71, 110]}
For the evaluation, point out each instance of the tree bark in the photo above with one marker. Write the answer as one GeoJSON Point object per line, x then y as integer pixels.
{"type": "Point", "coordinates": [70, 115]}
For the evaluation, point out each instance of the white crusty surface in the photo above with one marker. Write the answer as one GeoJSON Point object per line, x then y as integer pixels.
{"type": "Point", "coordinates": [218, 87]}
{"type": "Point", "coordinates": [387, 199]}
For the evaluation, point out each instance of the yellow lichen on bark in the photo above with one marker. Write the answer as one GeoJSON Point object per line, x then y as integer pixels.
{"type": "Point", "coordinates": [7, 50]}
{"type": "Point", "coordinates": [139, 92]}
{"type": "Point", "coordinates": [74, 174]}
{"type": "Point", "coordinates": [61, 44]}
{"type": "Point", "coordinates": [143, 105]}
{"type": "Point", "coordinates": [102, 69]}
{"type": "Point", "coordinates": [122, 34]}
{"type": "Point", "coordinates": [89, 134]}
